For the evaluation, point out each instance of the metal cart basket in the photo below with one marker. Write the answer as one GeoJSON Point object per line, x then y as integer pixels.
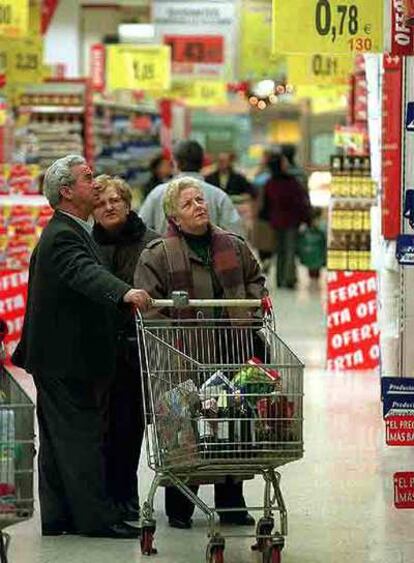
{"type": "Point", "coordinates": [223, 396]}
{"type": "Point", "coordinates": [16, 456]}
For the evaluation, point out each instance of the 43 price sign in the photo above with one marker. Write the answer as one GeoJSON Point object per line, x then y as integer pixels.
{"type": "Point", "coordinates": [328, 26]}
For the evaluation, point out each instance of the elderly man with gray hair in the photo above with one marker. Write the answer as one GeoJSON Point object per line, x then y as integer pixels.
{"type": "Point", "coordinates": [68, 345]}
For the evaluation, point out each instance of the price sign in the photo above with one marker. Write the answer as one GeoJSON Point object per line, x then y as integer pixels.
{"type": "Point", "coordinates": [21, 60]}
{"type": "Point", "coordinates": [319, 69]}
{"type": "Point", "coordinates": [14, 17]}
{"type": "Point", "coordinates": [324, 99]}
{"type": "Point", "coordinates": [196, 55]}
{"type": "Point", "coordinates": [328, 26]}
{"type": "Point", "coordinates": [200, 93]}
{"type": "Point", "coordinates": [140, 67]}
{"type": "Point", "coordinates": [196, 48]}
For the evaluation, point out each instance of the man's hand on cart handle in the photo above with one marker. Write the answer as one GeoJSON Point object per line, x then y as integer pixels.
{"type": "Point", "coordinates": [139, 299]}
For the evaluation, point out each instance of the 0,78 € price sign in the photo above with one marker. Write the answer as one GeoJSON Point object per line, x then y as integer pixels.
{"type": "Point", "coordinates": [141, 67]}
{"type": "Point", "coordinates": [328, 26]}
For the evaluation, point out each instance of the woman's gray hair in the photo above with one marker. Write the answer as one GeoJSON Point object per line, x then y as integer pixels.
{"type": "Point", "coordinates": [172, 193]}
{"type": "Point", "coordinates": [58, 175]}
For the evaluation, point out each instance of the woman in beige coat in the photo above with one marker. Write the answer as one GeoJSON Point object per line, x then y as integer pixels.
{"type": "Point", "coordinates": [207, 262]}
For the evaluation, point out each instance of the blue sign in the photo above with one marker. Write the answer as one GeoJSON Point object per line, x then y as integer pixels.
{"type": "Point", "coordinates": [398, 405]}
{"type": "Point", "coordinates": [409, 121]}
{"type": "Point", "coordinates": [398, 396]}
{"type": "Point", "coordinates": [405, 250]}
{"type": "Point", "coordinates": [397, 386]}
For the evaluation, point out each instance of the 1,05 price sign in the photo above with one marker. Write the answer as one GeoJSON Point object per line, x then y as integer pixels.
{"type": "Point", "coordinates": [328, 26]}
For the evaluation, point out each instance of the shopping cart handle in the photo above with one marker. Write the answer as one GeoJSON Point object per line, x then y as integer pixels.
{"type": "Point", "coordinates": [181, 300]}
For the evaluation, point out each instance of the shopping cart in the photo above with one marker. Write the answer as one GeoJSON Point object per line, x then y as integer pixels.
{"type": "Point", "coordinates": [222, 397]}
{"type": "Point", "coordinates": [16, 453]}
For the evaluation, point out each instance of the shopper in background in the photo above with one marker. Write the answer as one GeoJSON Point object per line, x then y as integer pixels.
{"type": "Point", "coordinates": [122, 236]}
{"type": "Point", "coordinates": [226, 178]}
{"type": "Point", "coordinates": [288, 206]}
{"type": "Point", "coordinates": [207, 262]}
{"type": "Point", "coordinates": [161, 171]}
{"type": "Point", "coordinates": [312, 245]}
{"type": "Point", "coordinates": [68, 345]}
{"type": "Point", "coordinates": [262, 175]}
{"type": "Point", "coordinates": [289, 151]}
{"type": "Point", "coordinates": [189, 156]}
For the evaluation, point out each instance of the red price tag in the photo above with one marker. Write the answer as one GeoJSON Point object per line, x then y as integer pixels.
{"type": "Point", "coordinates": [207, 49]}
{"type": "Point", "coordinates": [404, 489]}
{"type": "Point", "coordinates": [399, 430]}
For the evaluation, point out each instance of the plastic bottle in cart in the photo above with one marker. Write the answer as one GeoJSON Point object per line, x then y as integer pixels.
{"type": "Point", "coordinates": [223, 424]}
{"type": "Point", "coordinates": [205, 433]}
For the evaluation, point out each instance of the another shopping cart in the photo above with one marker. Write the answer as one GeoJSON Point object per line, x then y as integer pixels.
{"type": "Point", "coordinates": [16, 454]}
{"type": "Point", "coordinates": [223, 396]}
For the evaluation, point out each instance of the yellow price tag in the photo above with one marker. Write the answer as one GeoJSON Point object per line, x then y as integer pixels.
{"type": "Point", "coordinates": [21, 60]}
{"type": "Point", "coordinates": [324, 99]}
{"type": "Point", "coordinates": [138, 67]}
{"type": "Point", "coordinates": [14, 17]}
{"type": "Point", "coordinates": [328, 26]}
{"type": "Point", "coordinates": [256, 60]}
{"type": "Point", "coordinates": [200, 93]}
{"type": "Point", "coordinates": [323, 70]}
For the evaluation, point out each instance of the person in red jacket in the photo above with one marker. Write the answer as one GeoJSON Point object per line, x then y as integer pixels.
{"type": "Point", "coordinates": [287, 204]}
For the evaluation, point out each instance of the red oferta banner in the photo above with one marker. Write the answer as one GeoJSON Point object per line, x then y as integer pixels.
{"type": "Point", "coordinates": [13, 296]}
{"type": "Point", "coordinates": [353, 334]}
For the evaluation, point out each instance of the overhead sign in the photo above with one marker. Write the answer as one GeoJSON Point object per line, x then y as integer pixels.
{"type": "Point", "coordinates": [324, 98]}
{"type": "Point", "coordinates": [353, 333]}
{"type": "Point", "coordinates": [138, 67]}
{"type": "Point", "coordinates": [200, 93]}
{"type": "Point", "coordinates": [255, 54]}
{"type": "Point", "coordinates": [21, 60]}
{"type": "Point", "coordinates": [193, 14]}
{"type": "Point", "coordinates": [328, 26]}
{"type": "Point", "coordinates": [14, 17]}
{"type": "Point", "coordinates": [319, 69]}
{"type": "Point", "coordinates": [409, 118]}
{"type": "Point", "coordinates": [404, 489]}
{"type": "Point", "coordinates": [201, 18]}
{"type": "Point", "coordinates": [196, 54]}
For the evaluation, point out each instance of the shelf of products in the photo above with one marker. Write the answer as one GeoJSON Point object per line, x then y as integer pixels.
{"type": "Point", "coordinates": [22, 219]}
{"type": "Point", "coordinates": [352, 196]}
{"type": "Point", "coordinates": [52, 120]}
{"type": "Point", "coordinates": [126, 138]}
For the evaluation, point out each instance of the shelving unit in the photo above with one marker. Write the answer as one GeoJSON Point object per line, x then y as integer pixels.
{"type": "Point", "coordinates": [353, 194]}
{"type": "Point", "coordinates": [126, 138]}
{"type": "Point", "coordinates": [54, 119]}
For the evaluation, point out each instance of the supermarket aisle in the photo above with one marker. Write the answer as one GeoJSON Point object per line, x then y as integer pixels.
{"type": "Point", "coordinates": [339, 496]}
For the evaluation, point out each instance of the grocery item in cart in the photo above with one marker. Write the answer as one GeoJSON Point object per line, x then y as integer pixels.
{"type": "Point", "coordinates": [7, 461]}
{"type": "Point", "coordinates": [215, 385]}
{"type": "Point", "coordinates": [176, 411]}
{"type": "Point", "coordinates": [255, 379]}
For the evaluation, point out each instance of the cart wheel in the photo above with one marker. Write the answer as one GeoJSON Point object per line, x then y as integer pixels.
{"type": "Point", "coordinates": [216, 555]}
{"type": "Point", "coordinates": [147, 540]}
{"type": "Point", "coordinates": [215, 550]}
{"type": "Point", "coordinates": [273, 554]}
{"type": "Point", "coordinates": [276, 555]}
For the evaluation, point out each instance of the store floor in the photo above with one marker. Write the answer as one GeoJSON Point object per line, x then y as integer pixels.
{"type": "Point", "coordinates": [339, 496]}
